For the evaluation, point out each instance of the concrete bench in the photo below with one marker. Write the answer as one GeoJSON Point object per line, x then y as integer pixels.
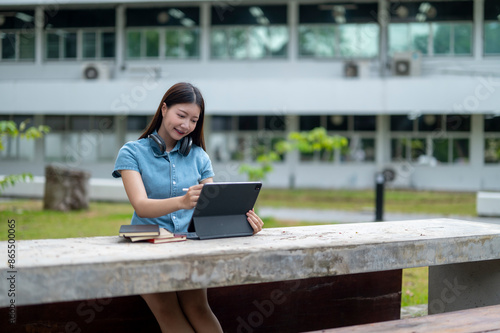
{"type": "Point", "coordinates": [484, 319]}
{"type": "Point", "coordinates": [488, 203]}
{"type": "Point", "coordinates": [281, 280]}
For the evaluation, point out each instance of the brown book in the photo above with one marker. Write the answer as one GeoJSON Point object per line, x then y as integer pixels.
{"type": "Point", "coordinates": [135, 230]}
{"type": "Point", "coordinates": [165, 236]}
{"type": "Point", "coordinates": [176, 238]}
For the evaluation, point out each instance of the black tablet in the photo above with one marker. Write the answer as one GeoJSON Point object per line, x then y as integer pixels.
{"type": "Point", "coordinates": [221, 210]}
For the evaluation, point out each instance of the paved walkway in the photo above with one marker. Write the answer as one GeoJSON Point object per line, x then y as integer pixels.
{"type": "Point", "coordinates": [414, 311]}
{"type": "Point", "coordinates": [338, 216]}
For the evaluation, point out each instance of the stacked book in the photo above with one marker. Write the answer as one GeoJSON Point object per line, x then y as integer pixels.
{"type": "Point", "coordinates": [150, 233]}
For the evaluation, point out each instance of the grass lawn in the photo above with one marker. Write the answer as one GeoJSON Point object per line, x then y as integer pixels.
{"type": "Point", "coordinates": [104, 219]}
{"type": "Point", "coordinates": [32, 222]}
{"type": "Point", "coordinates": [397, 201]}
{"type": "Point", "coordinates": [415, 286]}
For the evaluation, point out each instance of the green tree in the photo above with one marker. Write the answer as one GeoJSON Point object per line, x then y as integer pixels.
{"type": "Point", "coordinates": [311, 141]}
{"type": "Point", "coordinates": [10, 129]}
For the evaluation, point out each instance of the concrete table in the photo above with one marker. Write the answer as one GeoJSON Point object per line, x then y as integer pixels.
{"type": "Point", "coordinates": [49, 271]}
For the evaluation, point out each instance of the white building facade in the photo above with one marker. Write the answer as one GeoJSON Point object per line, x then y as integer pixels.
{"type": "Point", "coordinates": [413, 85]}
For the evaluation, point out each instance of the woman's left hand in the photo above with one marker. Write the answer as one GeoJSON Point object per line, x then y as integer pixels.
{"type": "Point", "coordinates": [254, 221]}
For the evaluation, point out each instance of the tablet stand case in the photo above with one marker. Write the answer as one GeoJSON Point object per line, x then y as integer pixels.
{"type": "Point", "coordinates": [221, 210]}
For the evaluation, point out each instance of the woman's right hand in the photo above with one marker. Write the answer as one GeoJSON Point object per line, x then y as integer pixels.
{"type": "Point", "coordinates": [190, 199]}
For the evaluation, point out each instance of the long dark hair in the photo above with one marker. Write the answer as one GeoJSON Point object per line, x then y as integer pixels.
{"type": "Point", "coordinates": [180, 93]}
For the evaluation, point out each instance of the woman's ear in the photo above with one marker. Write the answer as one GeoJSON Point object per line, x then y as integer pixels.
{"type": "Point", "coordinates": [164, 109]}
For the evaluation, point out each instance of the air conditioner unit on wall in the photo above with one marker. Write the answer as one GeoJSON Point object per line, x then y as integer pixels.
{"type": "Point", "coordinates": [407, 64]}
{"type": "Point", "coordinates": [96, 71]}
{"type": "Point", "coordinates": [351, 69]}
{"type": "Point", "coordinates": [358, 68]}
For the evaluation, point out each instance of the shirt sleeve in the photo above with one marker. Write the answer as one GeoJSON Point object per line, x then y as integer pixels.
{"type": "Point", "coordinates": [206, 168]}
{"type": "Point", "coordinates": [126, 160]}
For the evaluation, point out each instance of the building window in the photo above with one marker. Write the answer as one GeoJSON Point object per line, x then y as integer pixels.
{"type": "Point", "coordinates": [451, 150]}
{"type": "Point", "coordinates": [182, 43]}
{"type": "Point", "coordinates": [80, 139]}
{"type": "Point", "coordinates": [358, 130]}
{"type": "Point", "coordinates": [95, 44]}
{"type": "Point", "coordinates": [491, 27]}
{"type": "Point", "coordinates": [17, 45]}
{"type": "Point", "coordinates": [335, 30]}
{"type": "Point", "coordinates": [491, 124]}
{"type": "Point", "coordinates": [492, 139]}
{"type": "Point", "coordinates": [177, 43]}
{"type": "Point", "coordinates": [221, 123]}
{"type": "Point", "coordinates": [430, 123]}
{"type": "Point", "coordinates": [409, 149]}
{"type": "Point", "coordinates": [136, 125]}
{"type": "Point", "coordinates": [249, 32]}
{"type": "Point", "coordinates": [89, 45]}
{"type": "Point", "coordinates": [307, 123]}
{"type": "Point", "coordinates": [452, 38]}
{"type": "Point", "coordinates": [492, 150]}
{"type": "Point", "coordinates": [458, 123]}
{"type": "Point", "coordinates": [365, 151]}
{"type": "Point", "coordinates": [337, 123]}
{"type": "Point", "coordinates": [244, 138]}
{"type": "Point", "coordinates": [491, 38]}
{"type": "Point", "coordinates": [17, 35]}
{"type": "Point", "coordinates": [347, 41]}
{"type": "Point", "coordinates": [274, 123]}
{"type": "Point", "coordinates": [152, 43]}
{"type": "Point", "coordinates": [18, 149]}
{"type": "Point", "coordinates": [401, 123]}
{"type": "Point", "coordinates": [358, 150]}
{"type": "Point", "coordinates": [358, 40]}
{"type": "Point", "coordinates": [61, 45]}
{"type": "Point", "coordinates": [80, 34]}
{"type": "Point", "coordinates": [365, 123]}
{"type": "Point", "coordinates": [432, 28]}
{"type": "Point", "coordinates": [164, 32]}
{"type": "Point", "coordinates": [134, 44]}
{"type": "Point", "coordinates": [431, 38]}
{"type": "Point", "coordinates": [248, 123]}
{"type": "Point", "coordinates": [317, 41]}
{"type": "Point", "coordinates": [98, 44]}
{"type": "Point", "coordinates": [409, 37]}
{"type": "Point", "coordinates": [459, 151]}
{"type": "Point", "coordinates": [430, 139]}
{"type": "Point", "coordinates": [249, 42]}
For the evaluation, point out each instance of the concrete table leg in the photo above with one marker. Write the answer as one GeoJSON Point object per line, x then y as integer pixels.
{"type": "Point", "coordinates": [464, 286]}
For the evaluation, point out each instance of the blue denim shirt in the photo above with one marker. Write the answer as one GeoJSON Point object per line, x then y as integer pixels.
{"type": "Point", "coordinates": [164, 176]}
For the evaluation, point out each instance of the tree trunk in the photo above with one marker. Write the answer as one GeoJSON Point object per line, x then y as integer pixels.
{"type": "Point", "coordinates": [66, 189]}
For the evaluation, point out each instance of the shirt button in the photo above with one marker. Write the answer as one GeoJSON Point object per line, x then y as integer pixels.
{"type": "Point", "coordinates": [173, 165]}
{"type": "Point", "coordinates": [173, 182]}
{"type": "Point", "coordinates": [173, 217]}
